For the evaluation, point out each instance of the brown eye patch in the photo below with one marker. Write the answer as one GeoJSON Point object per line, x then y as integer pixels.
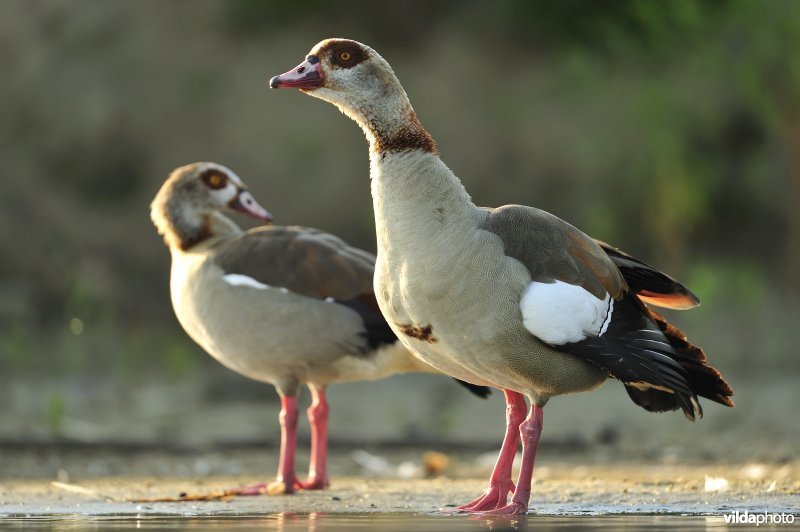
{"type": "Point", "coordinates": [347, 54]}
{"type": "Point", "coordinates": [214, 179]}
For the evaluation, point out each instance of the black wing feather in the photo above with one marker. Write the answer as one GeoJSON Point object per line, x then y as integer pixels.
{"type": "Point", "coordinates": [643, 278]}
{"type": "Point", "coordinates": [376, 328]}
{"type": "Point", "coordinates": [635, 351]}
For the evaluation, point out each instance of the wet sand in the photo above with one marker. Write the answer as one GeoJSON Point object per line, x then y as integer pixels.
{"type": "Point", "coordinates": [560, 489]}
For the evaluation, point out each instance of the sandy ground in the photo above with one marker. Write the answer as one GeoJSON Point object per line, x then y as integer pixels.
{"type": "Point", "coordinates": [560, 488]}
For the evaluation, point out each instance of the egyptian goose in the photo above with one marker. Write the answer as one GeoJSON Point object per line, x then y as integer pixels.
{"type": "Point", "coordinates": [511, 297]}
{"type": "Point", "coordinates": [283, 305]}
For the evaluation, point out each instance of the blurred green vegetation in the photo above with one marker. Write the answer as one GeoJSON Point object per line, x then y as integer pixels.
{"type": "Point", "coordinates": [670, 129]}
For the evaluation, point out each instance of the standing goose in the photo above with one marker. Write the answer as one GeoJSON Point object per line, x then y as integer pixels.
{"type": "Point", "coordinates": [511, 297]}
{"type": "Point", "coordinates": [283, 305]}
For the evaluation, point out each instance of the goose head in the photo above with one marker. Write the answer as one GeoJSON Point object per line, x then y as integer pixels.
{"type": "Point", "coordinates": [356, 79]}
{"type": "Point", "coordinates": [188, 207]}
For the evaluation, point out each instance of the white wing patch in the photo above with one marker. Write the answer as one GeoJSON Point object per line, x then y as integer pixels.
{"type": "Point", "coordinates": [237, 279]}
{"type": "Point", "coordinates": [560, 313]}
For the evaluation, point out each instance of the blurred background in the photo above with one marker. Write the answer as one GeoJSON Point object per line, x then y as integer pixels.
{"type": "Point", "coordinates": [670, 129]}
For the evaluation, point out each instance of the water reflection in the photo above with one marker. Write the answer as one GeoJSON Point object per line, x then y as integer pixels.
{"type": "Point", "coordinates": [325, 522]}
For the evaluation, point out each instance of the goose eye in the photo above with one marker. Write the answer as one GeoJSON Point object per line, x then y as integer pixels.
{"type": "Point", "coordinates": [344, 56]}
{"type": "Point", "coordinates": [214, 179]}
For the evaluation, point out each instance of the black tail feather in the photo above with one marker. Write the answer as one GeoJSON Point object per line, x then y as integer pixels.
{"type": "Point", "coordinates": [481, 391]}
{"type": "Point", "coordinates": [704, 380]}
{"type": "Point", "coordinates": [660, 369]}
{"type": "Point", "coordinates": [655, 287]}
{"type": "Point", "coordinates": [654, 400]}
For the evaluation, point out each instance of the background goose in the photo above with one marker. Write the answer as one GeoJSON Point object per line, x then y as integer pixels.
{"type": "Point", "coordinates": [511, 297]}
{"type": "Point", "coordinates": [283, 305]}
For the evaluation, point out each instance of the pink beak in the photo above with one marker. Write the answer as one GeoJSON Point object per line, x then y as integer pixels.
{"type": "Point", "coordinates": [245, 203]}
{"type": "Point", "coordinates": [305, 76]}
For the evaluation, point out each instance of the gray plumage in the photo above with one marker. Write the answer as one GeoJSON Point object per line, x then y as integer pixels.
{"type": "Point", "coordinates": [269, 303]}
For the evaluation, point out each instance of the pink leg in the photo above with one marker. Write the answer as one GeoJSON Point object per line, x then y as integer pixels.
{"type": "Point", "coordinates": [286, 482]}
{"type": "Point", "coordinates": [318, 419]}
{"type": "Point", "coordinates": [529, 431]}
{"type": "Point", "coordinates": [288, 419]}
{"type": "Point", "coordinates": [500, 483]}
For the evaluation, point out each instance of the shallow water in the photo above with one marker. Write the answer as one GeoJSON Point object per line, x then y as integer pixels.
{"type": "Point", "coordinates": [318, 522]}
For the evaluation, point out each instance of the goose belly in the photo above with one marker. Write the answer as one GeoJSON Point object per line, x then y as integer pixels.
{"type": "Point", "coordinates": [459, 312]}
{"type": "Point", "coordinates": [268, 335]}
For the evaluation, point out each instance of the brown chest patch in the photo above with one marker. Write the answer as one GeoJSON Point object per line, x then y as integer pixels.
{"type": "Point", "coordinates": [420, 332]}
